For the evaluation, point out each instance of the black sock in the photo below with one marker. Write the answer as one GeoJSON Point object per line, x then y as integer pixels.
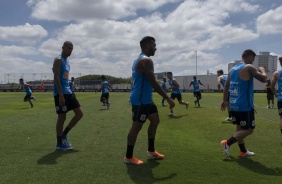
{"type": "Point", "coordinates": [231, 141]}
{"type": "Point", "coordinates": [66, 131]}
{"type": "Point", "coordinates": [151, 144]}
{"type": "Point", "coordinates": [129, 151]}
{"type": "Point", "coordinates": [31, 104]}
{"type": "Point", "coordinates": [242, 148]}
{"type": "Point", "coordinates": [59, 139]}
{"type": "Point", "coordinates": [229, 114]}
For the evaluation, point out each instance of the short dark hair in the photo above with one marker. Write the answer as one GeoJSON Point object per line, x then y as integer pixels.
{"type": "Point", "coordinates": [103, 77]}
{"type": "Point", "coordinates": [248, 53]}
{"type": "Point", "coordinates": [280, 58]}
{"type": "Point", "coordinates": [169, 73]}
{"type": "Point", "coordinates": [21, 79]}
{"type": "Point", "coordinates": [67, 43]}
{"type": "Point", "coordinates": [220, 71]}
{"type": "Point", "coordinates": [146, 40]}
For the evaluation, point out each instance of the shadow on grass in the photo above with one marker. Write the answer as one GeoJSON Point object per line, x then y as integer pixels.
{"type": "Point", "coordinates": [144, 173]}
{"type": "Point", "coordinates": [51, 158]}
{"type": "Point", "coordinates": [257, 167]}
{"type": "Point", "coordinates": [177, 117]}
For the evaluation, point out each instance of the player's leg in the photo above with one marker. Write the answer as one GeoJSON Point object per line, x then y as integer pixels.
{"type": "Point", "coordinates": [179, 98]}
{"type": "Point", "coordinates": [152, 129]}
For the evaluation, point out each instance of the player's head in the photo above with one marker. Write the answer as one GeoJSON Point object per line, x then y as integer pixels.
{"type": "Point", "coordinates": [195, 77]}
{"type": "Point", "coordinates": [248, 56]}
{"type": "Point", "coordinates": [148, 45]}
{"type": "Point", "coordinates": [21, 80]}
{"type": "Point", "coordinates": [169, 75]}
{"type": "Point", "coordinates": [280, 60]}
{"type": "Point", "coordinates": [67, 48]}
{"type": "Point", "coordinates": [72, 79]}
{"type": "Point", "coordinates": [103, 77]}
{"type": "Point", "coordinates": [219, 72]}
{"type": "Point", "coordinates": [164, 79]}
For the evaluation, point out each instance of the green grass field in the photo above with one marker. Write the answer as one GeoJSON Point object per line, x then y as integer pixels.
{"type": "Point", "coordinates": [190, 141]}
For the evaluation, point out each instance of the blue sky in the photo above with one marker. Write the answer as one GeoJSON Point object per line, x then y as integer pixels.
{"type": "Point", "coordinates": [106, 34]}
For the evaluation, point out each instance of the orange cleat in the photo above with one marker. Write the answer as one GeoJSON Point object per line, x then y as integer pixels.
{"type": "Point", "coordinates": [154, 155]}
{"type": "Point", "coordinates": [133, 160]}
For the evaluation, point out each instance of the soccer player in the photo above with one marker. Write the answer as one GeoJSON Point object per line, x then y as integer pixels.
{"type": "Point", "coordinates": [221, 79]}
{"type": "Point", "coordinates": [276, 78]}
{"type": "Point", "coordinates": [141, 99]}
{"type": "Point", "coordinates": [28, 90]}
{"type": "Point", "coordinates": [239, 83]}
{"type": "Point", "coordinates": [105, 88]}
{"type": "Point", "coordinates": [175, 92]}
{"type": "Point", "coordinates": [65, 99]}
{"type": "Point", "coordinates": [197, 92]}
{"type": "Point", "coordinates": [269, 94]}
{"type": "Point", "coordinates": [72, 85]}
{"type": "Point", "coordinates": [165, 89]}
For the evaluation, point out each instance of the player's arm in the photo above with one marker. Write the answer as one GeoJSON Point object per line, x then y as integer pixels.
{"type": "Point", "coordinates": [224, 103]}
{"type": "Point", "coordinates": [101, 87]}
{"type": "Point", "coordinates": [218, 83]}
{"type": "Point", "coordinates": [109, 87]}
{"type": "Point", "coordinates": [175, 83]}
{"type": "Point", "coordinates": [190, 84]}
{"type": "Point", "coordinates": [259, 74]}
{"type": "Point", "coordinates": [275, 77]}
{"type": "Point", "coordinates": [145, 65]}
{"type": "Point", "coordinates": [57, 69]}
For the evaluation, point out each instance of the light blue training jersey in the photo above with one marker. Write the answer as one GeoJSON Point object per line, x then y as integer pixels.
{"type": "Point", "coordinates": [64, 77]}
{"type": "Point", "coordinates": [164, 86]}
{"type": "Point", "coordinates": [196, 85]}
{"type": "Point", "coordinates": [105, 88]}
{"type": "Point", "coordinates": [279, 96]}
{"type": "Point", "coordinates": [171, 83]}
{"type": "Point", "coordinates": [27, 89]}
{"type": "Point", "coordinates": [241, 91]}
{"type": "Point", "coordinates": [224, 78]}
{"type": "Point", "coordinates": [141, 92]}
{"type": "Point", "coordinates": [71, 86]}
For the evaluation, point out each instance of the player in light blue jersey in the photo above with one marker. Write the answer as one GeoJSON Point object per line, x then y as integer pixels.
{"type": "Point", "coordinates": [163, 85]}
{"type": "Point", "coordinates": [221, 80]}
{"type": "Point", "coordinates": [143, 108]}
{"type": "Point", "coordinates": [72, 85]}
{"type": "Point", "coordinates": [175, 92]}
{"type": "Point", "coordinates": [196, 90]}
{"type": "Point", "coordinates": [28, 90]}
{"type": "Point", "coordinates": [105, 88]}
{"type": "Point", "coordinates": [277, 78]}
{"type": "Point", "coordinates": [65, 99]}
{"type": "Point", "coordinates": [239, 84]}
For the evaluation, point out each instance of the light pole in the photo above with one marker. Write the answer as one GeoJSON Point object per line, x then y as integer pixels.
{"type": "Point", "coordinates": [196, 63]}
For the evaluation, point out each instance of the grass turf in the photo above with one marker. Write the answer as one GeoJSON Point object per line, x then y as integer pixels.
{"type": "Point", "coordinates": [190, 141]}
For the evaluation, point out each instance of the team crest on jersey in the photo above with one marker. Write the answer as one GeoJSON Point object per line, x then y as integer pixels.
{"type": "Point", "coordinates": [243, 123]}
{"type": "Point", "coordinates": [143, 117]}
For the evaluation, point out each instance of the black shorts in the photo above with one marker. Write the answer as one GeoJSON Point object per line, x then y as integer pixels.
{"type": "Point", "coordinates": [198, 94]}
{"type": "Point", "coordinates": [141, 112]}
{"type": "Point", "coordinates": [279, 105]}
{"type": "Point", "coordinates": [177, 96]}
{"type": "Point", "coordinates": [104, 96]}
{"type": "Point", "coordinates": [270, 96]}
{"type": "Point", "coordinates": [245, 119]}
{"type": "Point", "coordinates": [27, 97]}
{"type": "Point", "coordinates": [70, 103]}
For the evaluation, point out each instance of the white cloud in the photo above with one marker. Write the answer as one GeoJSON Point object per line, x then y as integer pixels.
{"type": "Point", "coordinates": [26, 33]}
{"type": "Point", "coordinates": [270, 22]}
{"type": "Point", "coordinates": [73, 10]}
{"type": "Point", "coordinates": [17, 50]}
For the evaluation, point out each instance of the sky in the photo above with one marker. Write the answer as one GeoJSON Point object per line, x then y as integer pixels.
{"type": "Point", "coordinates": [192, 36]}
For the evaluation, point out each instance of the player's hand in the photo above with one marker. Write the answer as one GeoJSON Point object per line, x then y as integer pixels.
{"type": "Point", "coordinates": [61, 100]}
{"type": "Point", "coordinates": [223, 106]}
{"type": "Point", "coordinates": [170, 102]}
{"type": "Point", "coordinates": [261, 69]}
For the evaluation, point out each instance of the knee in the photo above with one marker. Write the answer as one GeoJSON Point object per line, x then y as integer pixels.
{"type": "Point", "coordinates": [62, 117]}
{"type": "Point", "coordinates": [79, 114]}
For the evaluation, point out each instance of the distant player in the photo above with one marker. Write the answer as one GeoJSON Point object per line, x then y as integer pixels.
{"type": "Point", "coordinates": [105, 88]}
{"type": "Point", "coordinates": [165, 89]}
{"type": "Point", "coordinates": [221, 79]}
{"type": "Point", "coordinates": [175, 92]}
{"type": "Point", "coordinates": [28, 90]}
{"type": "Point", "coordinates": [72, 85]}
{"type": "Point", "coordinates": [269, 94]}
{"type": "Point", "coordinates": [197, 92]}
